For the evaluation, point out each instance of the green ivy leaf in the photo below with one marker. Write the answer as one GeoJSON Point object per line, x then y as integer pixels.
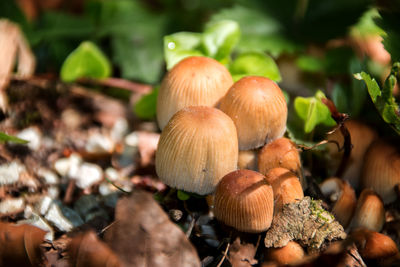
{"type": "Point", "coordinates": [146, 107]}
{"type": "Point", "coordinates": [310, 63]}
{"type": "Point", "coordinates": [86, 60]}
{"type": "Point", "coordinates": [383, 98]}
{"type": "Point", "coordinates": [9, 138]}
{"type": "Point", "coordinates": [219, 39]}
{"type": "Point", "coordinates": [254, 63]}
{"type": "Point", "coordinates": [313, 111]}
{"type": "Point", "coordinates": [180, 45]}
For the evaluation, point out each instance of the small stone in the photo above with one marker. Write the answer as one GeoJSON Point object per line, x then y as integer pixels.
{"type": "Point", "coordinates": [119, 129]}
{"type": "Point", "coordinates": [33, 135]}
{"type": "Point", "coordinates": [175, 214]}
{"type": "Point", "coordinates": [9, 173]}
{"type": "Point", "coordinates": [99, 144]}
{"type": "Point", "coordinates": [87, 175]}
{"type": "Point", "coordinates": [49, 176]}
{"type": "Point", "coordinates": [55, 216]}
{"type": "Point", "coordinates": [12, 205]}
{"type": "Point", "coordinates": [63, 166]}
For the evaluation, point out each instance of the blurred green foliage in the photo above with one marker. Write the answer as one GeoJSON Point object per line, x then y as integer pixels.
{"type": "Point", "coordinates": [4, 138]}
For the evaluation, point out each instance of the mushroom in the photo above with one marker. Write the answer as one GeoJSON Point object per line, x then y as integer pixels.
{"type": "Point", "coordinates": [290, 254]}
{"type": "Point", "coordinates": [283, 153]}
{"type": "Point", "coordinates": [196, 149]}
{"type": "Point", "coordinates": [361, 138]}
{"type": "Point", "coordinates": [244, 200]}
{"type": "Point", "coordinates": [194, 81]}
{"type": "Point", "coordinates": [258, 108]}
{"type": "Point", "coordinates": [374, 245]}
{"type": "Point", "coordinates": [370, 212]}
{"type": "Point", "coordinates": [286, 187]}
{"type": "Point", "coordinates": [343, 197]}
{"type": "Point", "coordinates": [381, 170]}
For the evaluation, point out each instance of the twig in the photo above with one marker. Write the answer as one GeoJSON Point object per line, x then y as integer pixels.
{"type": "Point", "coordinates": [119, 83]}
{"type": "Point", "coordinates": [224, 255]}
{"type": "Point", "coordinates": [107, 227]}
{"type": "Point", "coordinates": [70, 191]}
{"type": "Point", "coordinates": [340, 118]}
{"type": "Point", "coordinates": [191, 226]}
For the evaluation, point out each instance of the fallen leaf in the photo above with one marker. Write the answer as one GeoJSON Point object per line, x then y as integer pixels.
{"type": "Point", "coordinates": [143, 235]}
{"type": "Point", "coordinates": [86, 250]}
{"type": "Point", "coordinates": [242, 255]}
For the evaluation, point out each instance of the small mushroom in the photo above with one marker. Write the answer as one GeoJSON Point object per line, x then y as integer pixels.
{"type": "Point", "coordinates": [286, 186]}
{"type": "Point", "coordinates": [196, 149]}
{"type": "Point", "coordinates": [290, 254]}
{"type": "Point", "coordinates": [381, 170]}
{"type": "Point", "coordinates": [194, 81]}
{"type": "Point", "coordinates": [370, 211]}
{"type": "Point", "coordinates": [283, 153]}
{"type": "Point", "coordinates": [258, 108]}
{"type": "Point", "coordinates": [244, 200]}
{"type": "Point", "coordinates": [343, 196]}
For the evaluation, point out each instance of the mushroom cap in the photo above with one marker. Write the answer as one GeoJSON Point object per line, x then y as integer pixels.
{"type": "Point", "coordinates": [290, 254]}
{"type": "Point", "coordinates": [286, 186]}
{"type": "Point", "coordinates": [244, 200]}
{"type": "Point", "coordinates": [361, 137]}
{"type": "Point", "coordinates": [196, 149]}
{"type": "Point", "coordinates": [281, 152]}
{"type": "Point", "coordinates": [370, 211]}
{"type": "Point", "coordinates": [258, 108]}
{"type": "Point", "coordinates": [194, 81]}
{"type": "Point", "coordinates": [381, 170]}
{"type": "Point", "coordinates": [343, 196]}
{"type": "Point", "coordinates": [374, 245]}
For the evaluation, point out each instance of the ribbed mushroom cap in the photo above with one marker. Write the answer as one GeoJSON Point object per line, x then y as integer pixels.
{"type": "Point", "coordinates": [381, 170]}
{"type": "Point", "coordinates": [286, 187]}
{"type": "Point", "coordinates": [244, 200]}
{"type": "Point", "coordinates": [370, 211]}
{"type": "Point", "coordinates": [194, 81]}
{"type": "Point", "coordinates": [196, 149]}
{"type": "Point", "coordinates": [343, 198]}
{"type": "Point", "coordinates": [258, 108]}
{"type": "Point", "coordinates": [361, 137]}
{"type": "Point", "coordinates": [280, 153]}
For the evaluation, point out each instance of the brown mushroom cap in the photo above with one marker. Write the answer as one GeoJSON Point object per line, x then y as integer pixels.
{"type": "Point", "coordinates": [281, 152]}
{"type": "Point", "coordinates": [374, 245]}
{"type": "Point", "coordinates": [381, 170]}
{"type": "Point", "coordinates": [286, 187]}
{"type": "Point", "coordinates": [194, 81]}
{"type": "Point", "coordinates": [258, 108]}
{"type": "Point", "coordinates": [196, 149]}
{"type": "Point", "coordinates": [343, 196]}
{"type": "Point", "coordinates": [292, 253]}
{"type": "Point", "coordinates": [361, 138]}
{"type": "Point", "coordinates": [244, 200]}
{"type": "Point", "coordinates": [370, 211]}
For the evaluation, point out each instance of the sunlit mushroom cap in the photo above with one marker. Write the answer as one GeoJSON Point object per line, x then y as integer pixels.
{"type": "Point", "coordinates": [244, 200]}
{"type": "Point", "coordinates": [381, 170]}
{"type": "Point", "coordinates": [194, 81]}
{"type": "Point", "coordinates": [196, 149]}
{"type": "Point", "coordinates": [258, 108]}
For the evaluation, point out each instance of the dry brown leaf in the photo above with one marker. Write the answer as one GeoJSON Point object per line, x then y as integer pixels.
{"type": "Point", "coordinates": [143, 235]}
{"type": "Point", "coordinates": [242, 255]}
{"type": "Point", "coordinates": [20, 245]}
{"type": "Point", "coordinates": [86, 250]}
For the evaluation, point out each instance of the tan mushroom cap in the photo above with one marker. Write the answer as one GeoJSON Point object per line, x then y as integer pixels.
{"type": "Point", "coordinates": [286, 186]}
{"type": "Point", "coordinates": [374, 245]}
{"type": "Point", "coordinates": [283, 153]}
{"type": "Point", "coordinates": [370, 211]}
{"type": "Point", "coordinates": [343, 196]}
{"type": "Point", "coordinates": [290, 254]}
{"type": "Point", "coordinates": [361, 138]}
{"type": "Point", "coordinates": [381, 171]}
{"type": "Point", "coordinates": [196, 149]}
{"type": "Point", "coordinates": [244, 200]}
{"type": "Point", "coordinates": [194, 81]}
{"type": "Point", "coordinates": [258, 108]}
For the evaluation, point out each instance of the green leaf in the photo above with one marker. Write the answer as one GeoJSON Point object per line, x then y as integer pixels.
{"type": "Point", "coordinates": [254, 63]}
{"type": "Point", "coordinates": [383, 98]}
{"type": "Point", "coordinates": [85, 61]}
{"type": "Point", "coordinates": [340, 98]}
{"type": "Point", "coordinates": [313, 111]}
{"type": "Point", "coordinates": [146, 107]}
{"type": "Point", "coordinates": [180, 45]}
{"type": "Point", "coordinates": [182, 195]}
{"type": "Point", "coordinates": [219, 39]}
{"type": "Point", "coordinates": [310, 63]}
{"type": "Point", "coordinates": [9, 138]}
